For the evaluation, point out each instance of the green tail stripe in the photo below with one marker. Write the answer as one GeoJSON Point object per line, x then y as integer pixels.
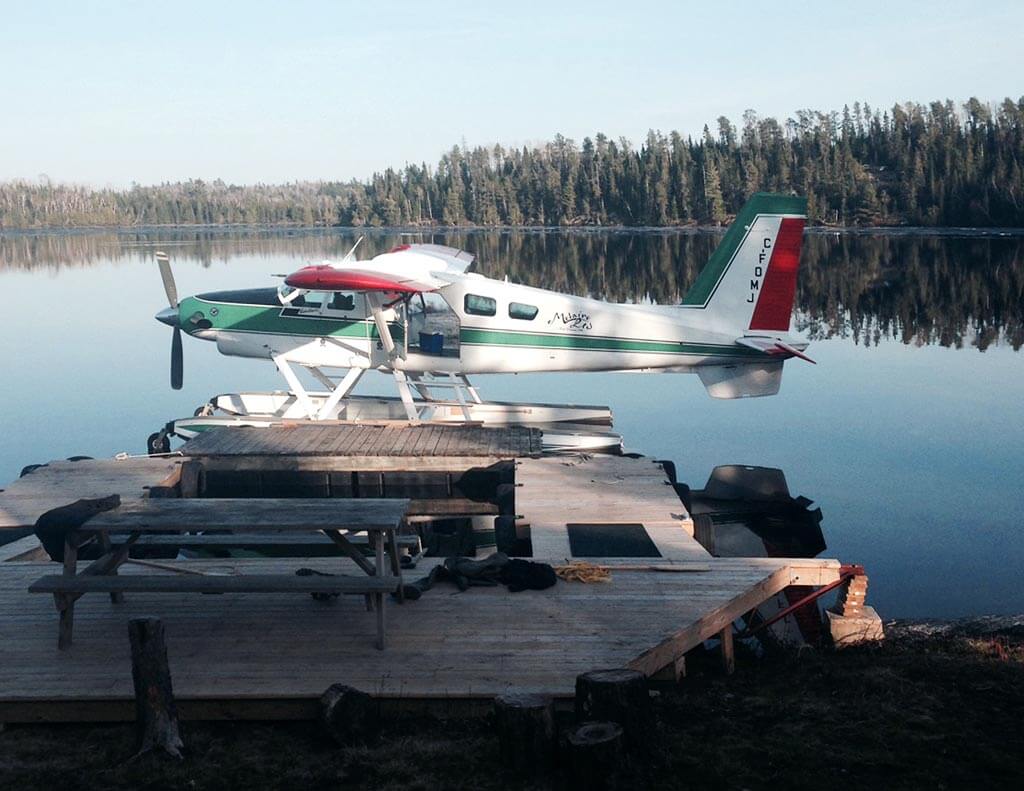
{"type": "Point", "coordinates": [759, 203]}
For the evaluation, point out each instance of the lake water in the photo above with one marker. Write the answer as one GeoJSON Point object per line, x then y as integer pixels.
{"type": "Point", "coordinates": [909, 433]}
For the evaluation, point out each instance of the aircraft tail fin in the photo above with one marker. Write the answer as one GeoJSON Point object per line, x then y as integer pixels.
{"type": "Point", "coordinates": [749, 283]}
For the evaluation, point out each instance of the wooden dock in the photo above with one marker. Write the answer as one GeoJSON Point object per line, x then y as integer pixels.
{"type": "Point", "coordinates": [272, 655]}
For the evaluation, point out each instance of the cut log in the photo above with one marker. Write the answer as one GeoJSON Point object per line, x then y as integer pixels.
{"type": "Point", "coordinates": [525, 725]}
{"type": "Point", "coordinates": [348, 715]}
{"type": "Point", "coordinates": [595, 754]}
{"type": "Point", "coordinates": [728, 651]}
{"type": "Point", "coordinates": [618, 695]}
{"type": "Point", "coordinates": [156, 715]}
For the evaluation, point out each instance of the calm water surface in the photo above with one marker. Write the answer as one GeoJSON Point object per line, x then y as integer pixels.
{"type": "Point", "coordinates": [909, 433]}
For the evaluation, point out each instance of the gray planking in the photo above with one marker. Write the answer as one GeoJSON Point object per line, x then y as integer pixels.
{"type": "Point", "coordinates": [447, 645]}
{"type": "Point", "coordinates": [252, 515]}
{"type": "Point", "coordinates": [356, 439]}
{"type": "Point", "coordinates": [23, 501]}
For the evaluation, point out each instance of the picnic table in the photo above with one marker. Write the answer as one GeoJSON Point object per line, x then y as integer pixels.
{"type": "Point", "coordinates": [342, 520]}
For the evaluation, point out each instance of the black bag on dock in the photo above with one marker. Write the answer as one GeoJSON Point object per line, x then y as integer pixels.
{"type": "Point", "coordinates": [495, 569]}
{"type": "Point", "coordinates": [53, 527]}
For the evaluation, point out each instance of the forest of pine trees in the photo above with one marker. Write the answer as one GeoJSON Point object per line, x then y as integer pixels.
{"type": "Point", "coordinates": [931, 165]}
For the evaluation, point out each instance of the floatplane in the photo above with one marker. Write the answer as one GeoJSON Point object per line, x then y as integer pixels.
{"type": "Point", "coordinates": [418, 314]}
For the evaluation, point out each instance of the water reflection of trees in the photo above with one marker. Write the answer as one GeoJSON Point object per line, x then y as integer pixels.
{"type": "Point", "coordinates": [953, 291]}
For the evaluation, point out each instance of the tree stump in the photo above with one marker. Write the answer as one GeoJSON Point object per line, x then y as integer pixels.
{"type": "Point", "coordinates": [348, 715]}
{"type": "Point", "coordinates": [156, 715]}
{"type": "Point", "coordinates": [618, 695]}
{"type": "Point", "coordinates": [595, 755]}
{"type": "Point", "coordinates": [526, 733]}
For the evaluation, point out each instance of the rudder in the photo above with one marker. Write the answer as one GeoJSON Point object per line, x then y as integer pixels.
{"type": "Point", "coordinates": [749, 283]}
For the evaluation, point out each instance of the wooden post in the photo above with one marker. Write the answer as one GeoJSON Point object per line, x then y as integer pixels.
{"type": "Point", "coordinates": [156, 716]}
{"type": "Point", "coordinates": [190, 482]}
{"type": "Point", "coordinates": [594, 755]}
{"type": "Point", "coordinates": [728, 650]}
{"type": "Point", "coordinates": [525, 725]}
{"type": "Point", "coordinates": [108, 548]}
{"type": "Point", "coordinates": [619, 695]}
{"type": "Point", "coordinates": [348, 715]}
{"type": "Point", "coordinates": [65, 602]}
{"type": "Point", "coordinates": [378, 598]}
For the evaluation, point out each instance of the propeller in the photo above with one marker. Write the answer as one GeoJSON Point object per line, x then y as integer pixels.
{"type": "Point", "coordinates": [169, 316]}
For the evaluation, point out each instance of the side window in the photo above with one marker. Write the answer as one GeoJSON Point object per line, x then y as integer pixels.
{"type": "Point", "coordinates": [520, 310]}
{"type": "Point", "coordinates": [340, 301]}
{"type": "Point", "coordinates": [476, 305]}
{"type": "Point", "coordinates": [311, 300]}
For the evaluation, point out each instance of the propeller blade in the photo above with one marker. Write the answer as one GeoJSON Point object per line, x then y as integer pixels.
{"type": "Point", "coordinates": [164, 262]}
{"type": "Point", "coordinates": [177, 360]}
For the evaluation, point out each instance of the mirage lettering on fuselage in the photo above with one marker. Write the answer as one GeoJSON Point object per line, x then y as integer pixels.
{"type": "Point", "coordinates": [572, 321]}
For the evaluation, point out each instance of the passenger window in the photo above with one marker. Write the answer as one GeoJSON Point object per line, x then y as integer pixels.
{"type": "Point", "coordinates": [476, 305]}
{"type": "Point", "coordinates": [520, 310]}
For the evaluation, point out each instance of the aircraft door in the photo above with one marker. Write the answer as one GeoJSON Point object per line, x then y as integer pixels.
{"type": "Point", "coordinates": [432, 327]}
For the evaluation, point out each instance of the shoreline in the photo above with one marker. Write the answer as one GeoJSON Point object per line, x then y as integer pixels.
{"type": "Point", "coordinates": [682, 230]}
{"type": "Point", "coordinates": [916, 711]}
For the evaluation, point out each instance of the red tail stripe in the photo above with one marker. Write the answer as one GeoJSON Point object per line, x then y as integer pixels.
{"type": "Point", "coordinates": [775, 303]}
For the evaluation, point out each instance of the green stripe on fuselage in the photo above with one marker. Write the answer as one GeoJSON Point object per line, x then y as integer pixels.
{"type": "Point", "coordinates": [232, 317]}
{"type": "Point", "coordinates": [537, 340]}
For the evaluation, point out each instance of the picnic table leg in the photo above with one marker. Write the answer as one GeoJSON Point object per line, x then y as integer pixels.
{"type": "Point", "coordinates": [378, 598]}
{"type": "Point", "coordinates": [380, 620]}
{"type": "Point", "coordinates": [116, 598]}
{"type": "Point", "coordinates": [66, 602]}
{"type": "Point", "coordinates": [396, 566]}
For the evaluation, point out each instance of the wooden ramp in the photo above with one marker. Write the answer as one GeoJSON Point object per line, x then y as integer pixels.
{"type": "Point", "coordinates": [556, 491]}
{"type": "Point", "coordinates": [272, 655]}
{"type": "Point", "coordinates": [336, 445]}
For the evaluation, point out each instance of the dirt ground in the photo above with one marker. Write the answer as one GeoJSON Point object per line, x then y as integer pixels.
{"type": "Point", "coordinates": [929, 709]}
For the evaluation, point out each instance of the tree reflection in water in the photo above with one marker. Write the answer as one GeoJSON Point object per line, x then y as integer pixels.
{"type": "Point", "coordinates": [946, 289]}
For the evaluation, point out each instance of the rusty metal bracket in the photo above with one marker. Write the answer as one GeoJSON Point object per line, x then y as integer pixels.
{"type": "Point", "coordinates": [846, 573]}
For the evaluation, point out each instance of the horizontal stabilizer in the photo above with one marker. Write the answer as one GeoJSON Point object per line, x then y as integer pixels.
{"type": "Point", "coordinates": [746, 380]}
{"type": "Point", "coordinates": [773, 347]}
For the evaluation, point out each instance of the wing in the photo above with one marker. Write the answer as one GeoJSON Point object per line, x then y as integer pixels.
{"type": "Point", "coordinates": [406, 269]}
{"type": "Point", "coordinates": [359, 277]}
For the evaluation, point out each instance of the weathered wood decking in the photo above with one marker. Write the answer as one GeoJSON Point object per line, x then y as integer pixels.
{"type": "Point", "coordinates": [555, 491]}
{"type": "Point", "coordinates": [273, 655]}
{"type": "Point", "coordinates": [339, 446]}
{"type": "Point", "coordinates": [23, 501]}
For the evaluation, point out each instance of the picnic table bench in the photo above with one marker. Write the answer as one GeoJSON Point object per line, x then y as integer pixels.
{"type": "Point", "coordinates": [340, 520]}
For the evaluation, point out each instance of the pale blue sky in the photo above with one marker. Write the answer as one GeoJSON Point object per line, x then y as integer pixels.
{"type": "Point", "coordinates": [110, 93]}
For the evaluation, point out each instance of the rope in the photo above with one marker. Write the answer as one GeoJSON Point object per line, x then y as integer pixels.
{"type": "Point", "coordinates": [581, 571]}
